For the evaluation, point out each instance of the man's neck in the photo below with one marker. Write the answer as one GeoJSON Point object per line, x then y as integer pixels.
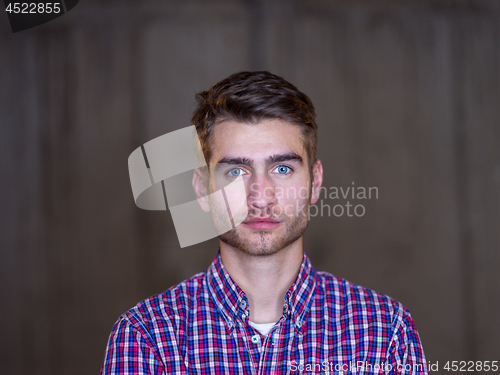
{"type": "Point", "coordinates": [264, 279]}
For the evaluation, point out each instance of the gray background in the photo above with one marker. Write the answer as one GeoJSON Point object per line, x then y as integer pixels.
{"type": "Point", "coordinates": [407, 96]}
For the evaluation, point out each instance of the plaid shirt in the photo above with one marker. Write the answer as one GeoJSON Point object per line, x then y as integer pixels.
{"type": "Point", "coordinates": [329, 326]}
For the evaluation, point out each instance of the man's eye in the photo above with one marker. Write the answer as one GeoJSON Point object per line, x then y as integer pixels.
{"type": "Point", "coordinates": [235, 172]}
{"type": "Point", "coordinates": [283, 169]}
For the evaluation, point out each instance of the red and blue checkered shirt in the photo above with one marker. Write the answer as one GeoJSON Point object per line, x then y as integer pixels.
{"type": "Point", "coordinates": [329, 326]}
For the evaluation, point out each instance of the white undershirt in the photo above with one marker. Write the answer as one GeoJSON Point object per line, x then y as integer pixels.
{"type": "Point", "coordinates": [263, 328]}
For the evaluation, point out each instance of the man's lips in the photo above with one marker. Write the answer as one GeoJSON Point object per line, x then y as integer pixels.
{"type": "Point", "coordinates": [261, 223]}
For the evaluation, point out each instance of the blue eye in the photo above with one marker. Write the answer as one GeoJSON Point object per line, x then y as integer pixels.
{"type": "Point", "coordinates": [283, 169]}
{"type": "Point", "coordinates": [235, 172]}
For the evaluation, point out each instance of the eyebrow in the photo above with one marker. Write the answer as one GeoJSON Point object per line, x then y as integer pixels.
{"type": "Point", "coordinates": [235, 161]}
{"type": "Point", "coordinates": [290, 156]}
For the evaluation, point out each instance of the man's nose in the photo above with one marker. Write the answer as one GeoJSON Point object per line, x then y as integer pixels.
{"type": "Point", "coordinates": [261, 192]}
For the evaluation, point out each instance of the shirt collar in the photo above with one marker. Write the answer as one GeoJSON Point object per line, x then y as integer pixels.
{"type": "Point", "coordinates": [233, 302]}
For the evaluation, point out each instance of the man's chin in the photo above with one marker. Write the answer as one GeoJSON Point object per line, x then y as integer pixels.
{"type": "Point", "coordinates": [259, 243]}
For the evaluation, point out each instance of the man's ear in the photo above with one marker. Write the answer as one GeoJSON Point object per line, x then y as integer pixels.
{"type": "Point", "coordinates": [317, 180]}
{"type": "Point", "coordinates": [200, 185]}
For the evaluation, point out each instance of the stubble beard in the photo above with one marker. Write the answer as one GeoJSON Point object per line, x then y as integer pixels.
{"type": "Point", "coordinates": [263, 242]}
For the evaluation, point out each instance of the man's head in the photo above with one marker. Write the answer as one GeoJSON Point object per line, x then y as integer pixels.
{"type": "Point", "coordinates": [252, 97]}
{"type": "Point", "coordinates": [260, 127]}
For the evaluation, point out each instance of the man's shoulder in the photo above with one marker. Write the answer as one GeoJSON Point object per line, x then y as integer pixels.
{"type": "Point", "coordinates": [350, 298]}
{"type": "Point", "coordinates": [173, 304]}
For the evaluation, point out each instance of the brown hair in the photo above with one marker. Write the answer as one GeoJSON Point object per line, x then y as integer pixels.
{"type": "Point", "coordinates": [252, 97]}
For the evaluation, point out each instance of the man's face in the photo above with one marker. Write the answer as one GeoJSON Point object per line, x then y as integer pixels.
{"type": "Point", "coordinates": [271, 158]}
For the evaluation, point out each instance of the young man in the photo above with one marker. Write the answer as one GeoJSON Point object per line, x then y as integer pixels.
{"type": "Point", "coordinates": [261, 308]}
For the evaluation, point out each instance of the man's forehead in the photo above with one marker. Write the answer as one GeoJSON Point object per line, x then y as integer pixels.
{"type": "Point", "coordinates": [258, 142]}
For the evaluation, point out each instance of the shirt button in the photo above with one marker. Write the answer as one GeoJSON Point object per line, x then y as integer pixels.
{"type": "Point", "coordinates": [255, 339]}
{"type": "Point", "coordinates": [275, 338]}
{"type": "Point", "coordinates": [243, 304]}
